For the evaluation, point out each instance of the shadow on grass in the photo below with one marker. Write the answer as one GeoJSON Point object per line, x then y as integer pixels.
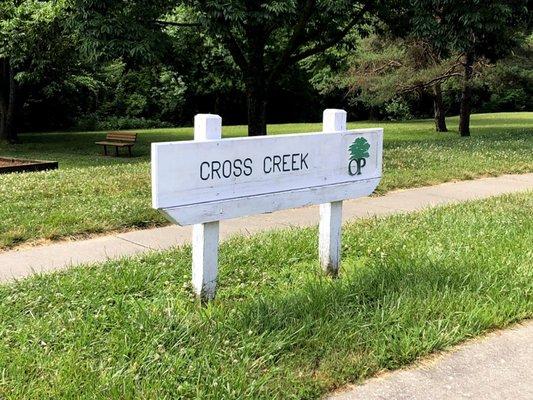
{"type": "Point", "coordinates": [381, 316]}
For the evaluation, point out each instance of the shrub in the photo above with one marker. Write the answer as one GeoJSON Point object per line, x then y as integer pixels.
{"type": "Point", "coordinates": [397, 110]}
{"type": "Point", "coordinates": [94, 122]}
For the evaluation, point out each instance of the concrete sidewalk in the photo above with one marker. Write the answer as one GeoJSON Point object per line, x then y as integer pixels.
{"type": "Point", "coordinates": [497, 367]}
{"type": "Point", "coordinates": [17, 264]}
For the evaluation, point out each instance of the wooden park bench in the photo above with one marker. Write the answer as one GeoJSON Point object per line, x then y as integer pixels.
{"type": "Point", "coordinates": [119, 139]}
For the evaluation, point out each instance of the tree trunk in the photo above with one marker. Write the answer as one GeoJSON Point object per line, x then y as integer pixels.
{"type": "Point", "coordinates": [466, 96]}
{"type": "Point", "coordinates": [256, 81]}
{"type": "Point", "coordinates": [256, 98]}
{"type": "Point", "coordinates": [7, 102]}
{"type": "Point", "coordinates": [438, 107]}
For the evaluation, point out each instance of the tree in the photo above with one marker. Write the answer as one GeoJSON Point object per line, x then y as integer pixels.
{"type": "Point", "coordinates": [7, 74]}
{"type": "Point", "coordinates": [7, 101]}
{"type": "Point", "coordinates": [508, 84]}
{"type": "Point", "coordinates": [473, 29]}
{"type": "Point", "coordinates": [383, 69]}
{"type": "Point", "coordinates": [264, 38]}
{"type": "Point", "coordinates": [30, 36]}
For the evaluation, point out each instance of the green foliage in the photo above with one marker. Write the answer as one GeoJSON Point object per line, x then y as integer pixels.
{"type": "Point", "coordinates": [359, 149]}
{"type": "Point", "coordinates": [43, 52]}
{"type": "Point", "coordinates": [509, 82]}
{"type": "Point", "coordinates": [170, 92]}
{"type": "Point", "coordinates": [397, 110]}
{"type": "Point", "coordinates": [278, 32]}
{"type": "Point", "coordinates": [84, 62]}
{"type": "Point", "coordinates": [383, 69]}
{"type": "Point", "coordinates": [264, 39]}
{"type": "Point", "coordinates": [409, 285]}
{"type": "Point", "coordinates": [485, 28]}
{"type": "Point", "coordinates": [25, 26]}
{"type": "Point", "coordinates": [396, 76]}
{"type": "Point", "coordinates": [119, 28]}
{"type": "Point", "coordinates": [506, 84]}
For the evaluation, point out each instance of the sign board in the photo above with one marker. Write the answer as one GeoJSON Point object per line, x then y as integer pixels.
{"type": "Point", "coordinates": [210, 179]}
{"type": "Point", "coordinates": [203, 181]}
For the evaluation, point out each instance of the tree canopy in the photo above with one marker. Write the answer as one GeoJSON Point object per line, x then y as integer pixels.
{"type": "Point", "coordinates": [474, 29]}
{"type": "Point", "coordinates": [264, 38]}
{"type": "Point", "coordinates": [32, 39]}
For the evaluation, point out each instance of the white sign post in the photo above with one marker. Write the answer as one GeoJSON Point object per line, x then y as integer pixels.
{"type": "Point", "coordinates": [209, 179]}
{"type": "Point", "coordinates": [329, 230]}
{"type": "Point", "coordinates": [205, 236]}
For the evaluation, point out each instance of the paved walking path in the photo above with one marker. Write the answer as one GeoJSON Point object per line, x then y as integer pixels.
{"type": "Point", "coordinates": [17, 264]}
{"type": "Point", "coordinates": [497, 367]}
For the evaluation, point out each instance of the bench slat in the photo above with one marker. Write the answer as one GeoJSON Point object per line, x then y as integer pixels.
{"type": "Point", "coordinates": [115, 139]}
{"type": "Point", "coordinates": [122, 136]}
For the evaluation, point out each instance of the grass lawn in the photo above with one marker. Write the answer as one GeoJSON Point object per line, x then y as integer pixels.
{"type": "Point", "coordinates": [410, 285]}
{"type": "Point", "coordinates": [92, 194]}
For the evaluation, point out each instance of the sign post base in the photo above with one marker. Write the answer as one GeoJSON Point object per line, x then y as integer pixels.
{"type": "Point", "coordinates": [329, 237]}
{"type": "Point", "coordinates": [205, 260]}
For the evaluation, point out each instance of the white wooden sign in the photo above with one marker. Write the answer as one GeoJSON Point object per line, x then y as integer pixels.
{"type": "Point", "coordinates": [211, 179]}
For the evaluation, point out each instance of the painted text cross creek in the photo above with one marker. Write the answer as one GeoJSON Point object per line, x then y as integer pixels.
{"type": "Point", "coordinates": [210, 179]}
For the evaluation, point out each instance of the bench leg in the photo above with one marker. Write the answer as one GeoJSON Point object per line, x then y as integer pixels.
{"type": "Point", "coordinates": [116, 151]}
{"type": "Point", "coordinates": [105, 150]}
{"type": "Point", "coordinates": [129, 150]}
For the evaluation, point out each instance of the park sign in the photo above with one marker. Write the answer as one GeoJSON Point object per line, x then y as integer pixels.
{"type": "Point", "coordinates": [203, 181]}
{"type": "Point", "coordinates": [209, 179]}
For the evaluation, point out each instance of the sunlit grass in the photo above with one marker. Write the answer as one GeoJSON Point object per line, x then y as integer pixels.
{"type": "Point", "coordinates": [409, 285]}
{"type": "Point", "coordinates": [92, 194]}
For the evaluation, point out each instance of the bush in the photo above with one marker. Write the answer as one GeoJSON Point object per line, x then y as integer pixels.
{"type": "Point", "coordinates": [397, 110]}
{"type": "Point", "coordinates": [510, 99]}
{"type": "Point", "coordinates": [94, 122]}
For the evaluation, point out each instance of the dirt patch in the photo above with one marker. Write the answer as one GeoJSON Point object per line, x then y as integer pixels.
{"type": "Point", "coordinates": [9, 164]}
{"type": "Point", "coordinates": [12, 162]}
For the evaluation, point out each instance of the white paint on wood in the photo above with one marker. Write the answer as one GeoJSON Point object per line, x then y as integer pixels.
{"type": "Point", "coordinates": [270, 202]}
{"type": "Point", "coordinates": [205, 259]}
{"type": "Point", "coordinates": [329, 236]}
{"type": "Point", "coordinates": [207, 127]}
{"type": "Point", "coordinates": [304, 161]}
{"type": "Point", "coordinates": [333, 120]}
{"type": "Point", "coordinates": [205, 235]}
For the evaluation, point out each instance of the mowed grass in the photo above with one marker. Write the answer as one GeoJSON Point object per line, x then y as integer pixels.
{"type": "Point", "coordinates": [409, 285]}
{"type": "Point", "coordinates": [93, 194]}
